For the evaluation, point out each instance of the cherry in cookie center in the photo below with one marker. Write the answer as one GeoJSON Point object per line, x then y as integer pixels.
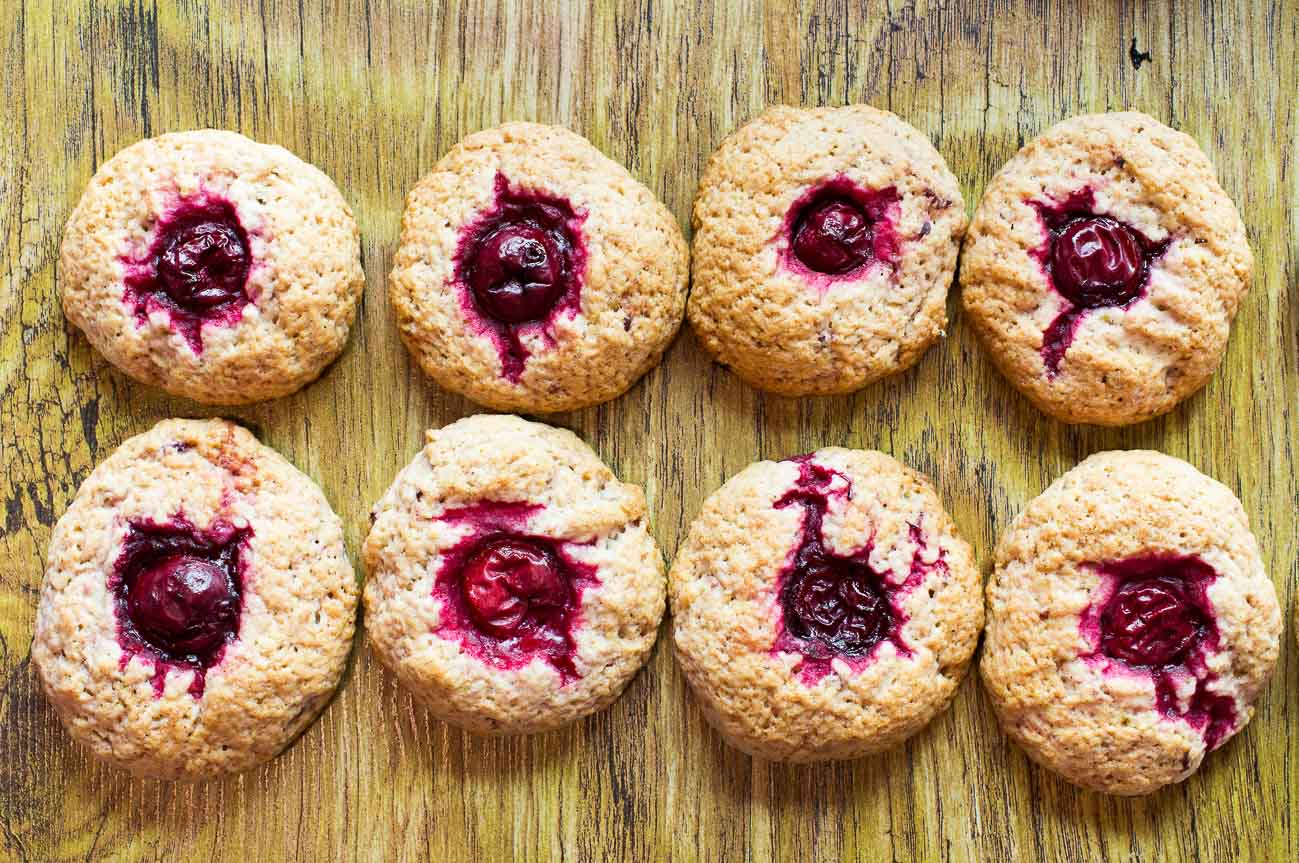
{"type": "Point", "coordinates": [835, 605]}
{"type": "Point", "coordinates": [178, 594]}
{"type": "Point", "coordinates": [1152, 616]}
{"type": "Point", "coordinates": [512, 584]}
{"type": "Point", "coordinates": [507, 595]}
{"type": "Point", "coordinates": [196, 268]}
{"type": "Point", "coordinates": [839, 227]}
{"type": "Point", "coordinates": [1092, 260]}
{"type": "Point", "coordinates": [1151, 621]}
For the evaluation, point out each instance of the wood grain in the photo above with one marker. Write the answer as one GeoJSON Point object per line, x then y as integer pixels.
{"type": "Point", "coordinates": [373, 92]}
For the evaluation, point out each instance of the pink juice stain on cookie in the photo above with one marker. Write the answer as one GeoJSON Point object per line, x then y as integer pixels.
{"type": "Point", "coordinates": [836, 606]}
{"type": "Point", "coordinates": [837, 229]}
{"type": "Point", "coordinates": [177, 595]}
{"type": "Point", "coordinates": [1091, 260]}
{"type": "Point", "coordinates": [196, 269]}
{"type": "Point", "coordinates": [1152, 616]}
{"type": "Point", "coordinates": [509, 596]}
{"type": "Point", "coordinates": [519, 268]}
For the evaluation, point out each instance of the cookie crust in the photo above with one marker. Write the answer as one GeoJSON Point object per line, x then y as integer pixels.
{"type": "Point", "coordinates": [1098, 729]}
{"type": "Point", "coordinates": [632, 282]}
{"type": "Point", "coordinates": [295, 633]}
{"type": "Point", "coordinates": [576, 502]}
{"type": "Point", "coordinates": [1124, 364]}
{"type": "Point", "coordinates": [304, 283]}
{"type": "Point", "coordinates": [776, 327]}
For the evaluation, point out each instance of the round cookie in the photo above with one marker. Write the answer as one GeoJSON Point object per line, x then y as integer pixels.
{"type": "Point", "coordinates": [1130, 623]}
{"type": "Point", "coordinates": [513, 584]}
{"type": "Point", "coordinates": [198, 604]}
{"type": "Point", "coordinates": [824, 606]}
{"type": "Point", "coordinates": [1103, 269]}
{"type": "Point", "coordinates": [825, 242]}
{"type": "Point", "coordinates": [535, 274]}
{"type": "Point", "coordinates": [212, 266]}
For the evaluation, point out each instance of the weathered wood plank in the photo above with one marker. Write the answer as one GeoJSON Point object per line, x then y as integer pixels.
{"type": "Point", "coordinates": [373, 92]}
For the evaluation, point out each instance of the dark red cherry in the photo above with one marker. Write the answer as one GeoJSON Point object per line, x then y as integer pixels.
{"type": "Point", "coordinates": [516, 274]}
{"type": "Point", "coordinates": [202, 257]}
{"type": "Point", "coordinates": [1150, 621]}
{"type": "Point", "coordinates": [183, 604]}
{"type": "Point", "coordinates": [1096, 261]}
{"type": "Point", "coordinates": [833, 235]}
{"type": "Point", "coordinates": [839, 603]}
{"type": "Point", "coordinates": [508, 581]}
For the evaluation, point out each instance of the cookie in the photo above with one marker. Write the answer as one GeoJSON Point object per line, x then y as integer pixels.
{"type": "Point", "coordinates": [212, 266]}
{"type": "Point", "coordinates": [825, 242]}
{"type": "Point", "coordinates": [1130, 623]}
{"type": "Point", "coordinates": [535, 274]}
{"type": "Point", "coordinates": [513, 583]}
{"type": "Point", "coordinates": [198, 604]}
{"type": "Point", "coordinates": [1103, 269]}
{"type": "Point", "coordinates": [824, 607]}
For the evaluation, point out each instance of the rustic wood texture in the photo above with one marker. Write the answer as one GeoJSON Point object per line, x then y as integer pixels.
{"type": "Point", "coordinates": [374, 92]}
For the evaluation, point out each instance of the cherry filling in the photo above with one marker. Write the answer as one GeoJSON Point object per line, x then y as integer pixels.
{"type": "Point", "coordinates": [834, 236]}
{"type": "Point", "coordinates": [519, 265]}
{"type": "Point", "coordinates": [838, 228]}
{"type": "Point", "coordinates": [183, 604]}
{"type": "Point", "coordinates": [512, 584]}
{"type": "Point", "coordinates": [836, 605]}
{"type": "Point", "coordinates": [196, 268]}
{"type": "Point", "coordinates": [1152, 615]}
{"type": "Point", "coordinates": [1094, 262]}
{"type": "Point", "coordinates": [177, 595]}
{"type": "Point", "coordinates": [1149, 621]}
{"type": "Point", "coordinates": [507, 596]}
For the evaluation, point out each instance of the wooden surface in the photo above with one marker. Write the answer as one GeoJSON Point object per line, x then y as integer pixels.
{"type": "Point", "coordinates": [374, 93]}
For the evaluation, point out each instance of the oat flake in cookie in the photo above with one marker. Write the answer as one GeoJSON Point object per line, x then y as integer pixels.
{"type": "Point", "coordinates": [1130, 623]}
{"type": "Point", "coordinates": [212, 266]}
{"type": "Point", "coordinates": [198, 604]}
{"type": "Point", "coordinates": [825, 242]}
{"type": "Point", "coordinates": [535, 274]}
{"type": "Point", "coordinates": [513, 583]}
{"type": "Point", "coordinates": [1104, 267]}
{"type": "Point", "coordinates": [824, 606]}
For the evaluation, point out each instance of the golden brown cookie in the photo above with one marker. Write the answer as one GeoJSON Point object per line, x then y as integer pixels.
{"type": "Point", "coordinates": [824, 606]}
{"type": "Point", "coordinates": [198, 605]}
{"type": "Point", "coordinates": [513, 583]}
{"type": "Point", "coordinates": [212, 266]}
{"type": "Point", "coordinates": [825, 242]}
{"type": "Point", "coordinates": [1130, 623]}
{"type": "Point", "coordinates": [535, 274]}
{"type": "Point", "coordinates": [1104, 267]}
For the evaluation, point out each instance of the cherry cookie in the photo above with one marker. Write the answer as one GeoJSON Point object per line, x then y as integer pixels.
{"type": "Point", "coordinates": [824, 607]}
{"type": "Point", "coordinates": [198, 604]}
{"type": "Point", "coordinates": [534, 273]}
{"type": "Point", "coordinates": [1130, 623]}
{"type": "Point", "coordinates": [212, 266]}
{"type": "Point", "coordinates": [513, 583]}
{"type": "Point", "coordinates": [1104, 267]}
{"type": "Point", "coordinates": [825, 242]}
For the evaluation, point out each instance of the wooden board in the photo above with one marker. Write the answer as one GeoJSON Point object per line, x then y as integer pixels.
{"type": "Point", "coordinates": [374, 93]}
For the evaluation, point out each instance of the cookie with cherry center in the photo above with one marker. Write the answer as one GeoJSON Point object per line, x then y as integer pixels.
{"type": "Point", "coordinates": [1131, 625]}
{"type": "Point", "coordinates": [1104, 267]}
{"type": "Point", "coordinates": [824, 607]}
{"type": "Point", "coordinates": [513, 583]}
{"type": "Point", "coordinates": [198, 604]}
{"type": "Point", "coordinates": [534, 273]}
{"type": "Point", "coordinates": [212, 267]}
{"type": "Point", "coordinates": [825, 243]}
